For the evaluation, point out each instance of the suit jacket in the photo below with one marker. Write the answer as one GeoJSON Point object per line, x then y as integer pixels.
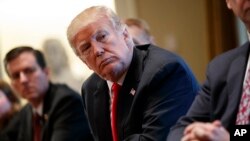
{"type": "Point", "coordinates": [63, 118]}
{"type": "Point", "coordinates": [221, 93]}
{"type": "Point", "coordinates": [164, 89]}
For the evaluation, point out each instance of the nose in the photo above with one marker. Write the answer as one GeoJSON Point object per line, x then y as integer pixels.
{"type": "Point", "coordinates": [98, 49]}
{"type": "Point", "coordinates": [23, 77]}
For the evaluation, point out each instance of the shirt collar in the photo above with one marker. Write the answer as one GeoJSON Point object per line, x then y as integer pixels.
{"type": "Point", "coordinates": [120, 82]}
{"type": "Point", "coordinates": [39, 109]}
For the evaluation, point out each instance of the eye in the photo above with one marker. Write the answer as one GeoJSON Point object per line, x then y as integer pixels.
{"type": "Point", "coordinates": [29, 71]}
{"type": "Point", "coordinates": [15, 76]}
{"type": "Point", "coordinates": [84, 48]}
{"type": "Point", "coordinates": [102, 36]}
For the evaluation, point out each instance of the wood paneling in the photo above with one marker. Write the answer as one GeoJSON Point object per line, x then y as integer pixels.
{"type": "Point", "coordinates": [221, 27]}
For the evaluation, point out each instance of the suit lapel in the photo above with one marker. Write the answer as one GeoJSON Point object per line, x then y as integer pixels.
{"type": "Point", "coordinates": [27, 134]}
{"type": "Point", "coordinates": [129, 87]}
{"type": "Point", "coordinates": [47, 103]}
{"type": "Point", "coordinates": [235, 83]}
{"type": "Point", "coordinates": [102, 110]}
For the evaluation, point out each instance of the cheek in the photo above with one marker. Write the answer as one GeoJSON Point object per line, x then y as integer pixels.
{"type": "Point", "coordinates": [16, 86]}
{"type": "Point", "coordinates": [89, 63]}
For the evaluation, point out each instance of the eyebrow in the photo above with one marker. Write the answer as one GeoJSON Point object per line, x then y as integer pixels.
{"type": "Point", "coordinates": [95, 32]}
{"type": "Point", "coordinates": [81, 43]}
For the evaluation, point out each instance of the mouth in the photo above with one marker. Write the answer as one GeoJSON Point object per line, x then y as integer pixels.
{"type": "Point", "coordinates": [105, 62]}
{"type": "Point", "coordinates": [27, 90]}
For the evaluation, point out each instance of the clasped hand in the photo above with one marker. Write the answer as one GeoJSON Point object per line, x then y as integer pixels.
{"type": "Point", "coordinates": [199, 131]}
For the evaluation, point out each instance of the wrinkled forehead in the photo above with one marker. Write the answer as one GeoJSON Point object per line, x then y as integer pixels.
{"type": "Point", "coordinates": [83, 20]}
{"type": "Point", "coordinates": [91, 29]}
{"type": "Point", "coordinates": [26, 58]}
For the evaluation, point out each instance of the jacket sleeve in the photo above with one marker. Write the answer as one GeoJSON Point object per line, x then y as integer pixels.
{"type": "Point", "coordinates": [199, 111]}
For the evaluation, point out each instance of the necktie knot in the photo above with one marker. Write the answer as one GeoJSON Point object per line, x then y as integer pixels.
{"type": "Point", "coordinates": [115, 88]}
{"type": "Point", "coordinates": [37, 118]}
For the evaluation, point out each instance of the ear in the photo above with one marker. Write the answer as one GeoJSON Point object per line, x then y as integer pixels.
{"type": "Point", "coordinates": [228, 4]}
{"type": "Point", "coordinates": [127, 38]}
{"type": "Point", "coordinates": [126, 34]}
{"type": "Point", "coordinates": [46, 70]}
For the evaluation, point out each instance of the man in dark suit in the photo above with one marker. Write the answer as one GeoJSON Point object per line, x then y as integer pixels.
{"type": "Point", "coordinates": [157, 87]}
{"type": "Point", "coordinates": [59, 108]}
{"type": "Point", "coordinates": [215, 110]}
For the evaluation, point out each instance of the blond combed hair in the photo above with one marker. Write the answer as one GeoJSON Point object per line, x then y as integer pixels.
{"type": "Point", "coordinates": [90, 15]}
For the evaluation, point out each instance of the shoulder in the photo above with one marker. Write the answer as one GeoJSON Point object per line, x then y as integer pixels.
{"type": "Point", "coordinates": [226, 61]}
{"type": "Point", "coordinates": [160, 64]}
{"type": "Point", "coordinates": [61, 100]}
{"type": "Point", "coordinates": [62, 90]}
{"type": "Point", "coordinates": [27, 108]}
{"type": "Point", "coordinates": [93, 78]}
{"type": "Point", "coordinates": [157, 53]}
{"type": "Point", "coordinates": [228, 56]}
{"type": "Point", "coordinates": [59, 94]}
{"type": "Point", "coordinates": [161, 59]}
{"type": "Point", "coordinates": [92, 81]}
{"type": "Point", "coordinates": [21, 118]}
{"type": "Point", "coordinates": [158, 57]}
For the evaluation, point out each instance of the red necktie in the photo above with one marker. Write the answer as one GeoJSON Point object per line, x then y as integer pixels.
{"type": "Point", "coordinates": [244, 108]}
{"type": "Point", "coordinates": [37, 126]}
{"type": "Point", "coordinates": [115, 90]}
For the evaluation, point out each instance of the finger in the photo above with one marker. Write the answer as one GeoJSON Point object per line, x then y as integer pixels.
{"type": "Point", "coordinates": [217, 123]}
{"type": "Point", "coordinates": [200, 133]}
{"type": "Point", "coordinates": [189, 137]}
{"type": "Point", "coordinates": [190, 127]}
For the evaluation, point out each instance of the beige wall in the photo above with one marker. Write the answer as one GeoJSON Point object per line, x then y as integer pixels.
{"type": "Point", "coordinates": [178, 25]}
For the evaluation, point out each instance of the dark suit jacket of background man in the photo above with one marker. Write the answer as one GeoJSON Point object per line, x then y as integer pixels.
{"type": "Point", "coordinates": [164, 89]}
{"type": "Point", "coordinates": [63, 118]}
{"type": "Point", "coordinates": [221, 94]}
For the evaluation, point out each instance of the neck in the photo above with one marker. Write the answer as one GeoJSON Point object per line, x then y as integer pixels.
{"type": "Point", "coordinates": [35, 103]}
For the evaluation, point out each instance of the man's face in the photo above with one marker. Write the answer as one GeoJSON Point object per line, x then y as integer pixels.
{"type": "Point", "coordinates": [104, 49]}
{"type": "Point", "coordinates": [241, 8]}
{"type": "Point", "coordinates": [27, 77]}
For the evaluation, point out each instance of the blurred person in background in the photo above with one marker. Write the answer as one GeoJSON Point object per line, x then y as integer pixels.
{"type": "Point", "coordinates": [9, 104]}
{"type": "Point", "coordinates": [54, 112]}
{"type": "Point", "coordinates": [58, 63]}
{"type": "Point", "coordinates": [140, 31]}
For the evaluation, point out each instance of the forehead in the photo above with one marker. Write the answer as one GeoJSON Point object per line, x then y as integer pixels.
{"type": "Point", "coordinates": [25, 59]}
{"type": "Point", "coordinates": [93, 27]}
